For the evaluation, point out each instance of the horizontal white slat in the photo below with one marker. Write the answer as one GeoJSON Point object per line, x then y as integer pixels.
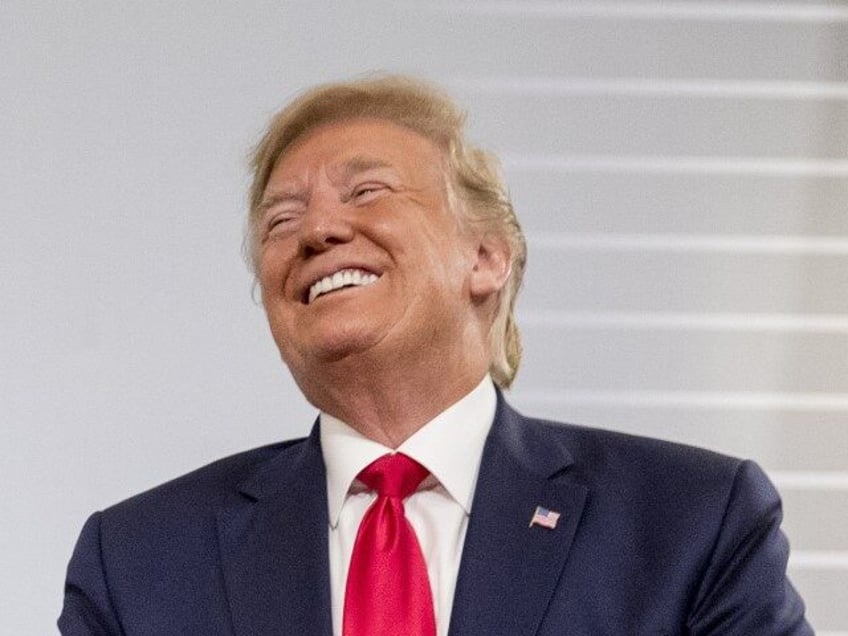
{"type": "Point", "coordinates": [688, 243]}
{"type": "Point", "coordinates": [819, 560]}
{"type": "Point", "coordinates": [811, 480]}
{"type": "Point", "coordinates": [737, 11]}
{"type": "Point", "coordinates": [687, 281]}
{"type": "Point", "coordinates": [684, 165]}
{"type": "Point", "coordinates": [690, 399]}
{"type": "Point", "coordinates": [784, 323]}
{"type": "Point", "coordinates": [536, 87]}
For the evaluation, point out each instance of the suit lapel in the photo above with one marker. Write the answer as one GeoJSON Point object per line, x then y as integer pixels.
{"type": "Point", "coordinates": [274, 547]}
{"type": "Point", "coordinates": [509, 571]}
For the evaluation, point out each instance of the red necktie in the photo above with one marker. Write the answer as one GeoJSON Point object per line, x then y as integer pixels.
{"type": "Point", "coordinates": [387, 587]}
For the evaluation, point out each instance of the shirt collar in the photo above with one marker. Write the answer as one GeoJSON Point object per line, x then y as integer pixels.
{"type": "Point", "coordinates": [450, 446]}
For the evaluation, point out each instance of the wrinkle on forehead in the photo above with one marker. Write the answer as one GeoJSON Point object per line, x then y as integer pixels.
{"type": "Point", "coordinates": [362, 163]}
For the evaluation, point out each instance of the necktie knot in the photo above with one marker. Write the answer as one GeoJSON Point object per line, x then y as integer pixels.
{"type": "Point", "coordinates": [394, 475]}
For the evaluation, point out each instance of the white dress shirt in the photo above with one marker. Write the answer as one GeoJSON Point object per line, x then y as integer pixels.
{"type": "Point", "coordinates": [450, 446]}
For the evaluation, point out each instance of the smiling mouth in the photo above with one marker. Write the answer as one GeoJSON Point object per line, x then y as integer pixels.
{"type": "Point", "coordinates": [339, 280]}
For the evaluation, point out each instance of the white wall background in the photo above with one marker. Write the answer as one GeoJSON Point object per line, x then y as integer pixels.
{"type": "Point", "coordinates": [681, 169]}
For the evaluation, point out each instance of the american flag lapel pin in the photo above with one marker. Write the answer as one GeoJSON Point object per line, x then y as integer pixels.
{"type": "Point", "coordinates": [544, 517]}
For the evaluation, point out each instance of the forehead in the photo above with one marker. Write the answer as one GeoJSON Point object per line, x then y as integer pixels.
{"type": "Point", "coordinates": [360, 144]}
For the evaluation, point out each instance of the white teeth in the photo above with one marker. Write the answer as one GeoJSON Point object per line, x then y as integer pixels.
{"type": "Point", "coordinates": [341, 278]}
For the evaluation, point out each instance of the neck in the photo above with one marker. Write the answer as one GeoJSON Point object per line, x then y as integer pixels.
{"type": "Point", "coordinates": [389, 403]}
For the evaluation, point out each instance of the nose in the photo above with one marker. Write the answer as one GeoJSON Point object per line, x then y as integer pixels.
{"type": "Point", "coordinates": [325, 223]}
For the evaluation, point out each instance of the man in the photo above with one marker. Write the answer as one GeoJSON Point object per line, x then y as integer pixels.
{"type": "Point", "coordinates": [389, 258]}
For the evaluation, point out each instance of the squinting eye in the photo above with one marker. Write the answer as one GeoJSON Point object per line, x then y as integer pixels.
{"type": "Point", "coordinates": [279, 223]}
{"type": "Point", "coordinates": [365, 190]}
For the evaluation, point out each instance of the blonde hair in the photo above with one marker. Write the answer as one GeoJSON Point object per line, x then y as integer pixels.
{"type": "Point", "coordinates": [473, 174]}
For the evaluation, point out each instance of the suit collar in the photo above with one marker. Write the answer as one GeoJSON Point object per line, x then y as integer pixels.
{"type": "Point", "coordinates": [525, 442]}
{"type": "Point", "coordinates": [273, 476]}
{"type": "Point", "coordinates": [509, 571]}
{"type": "Point", "coordinates": [273, 545]}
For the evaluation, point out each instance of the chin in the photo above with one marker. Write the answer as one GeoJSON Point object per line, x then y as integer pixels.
{"type": "Point", "coordinates": [338, 343]}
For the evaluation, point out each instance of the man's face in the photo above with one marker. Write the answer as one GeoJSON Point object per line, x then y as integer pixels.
{"type": "Point", "coordinates": [360, 250]}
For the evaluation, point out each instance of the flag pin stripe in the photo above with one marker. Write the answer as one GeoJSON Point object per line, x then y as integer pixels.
{"type": "Point", "coordinates": [545, 518]}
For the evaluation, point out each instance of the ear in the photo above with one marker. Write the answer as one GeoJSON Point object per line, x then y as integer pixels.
{"type": "Point", "coordinates": [491, 267]}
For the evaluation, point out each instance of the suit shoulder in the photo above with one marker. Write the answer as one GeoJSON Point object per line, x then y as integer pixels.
{"type": "Point", "coordinates": [634, 464]}
{"type": "Point", "coordinates": [601, 445]}
{"type": "Point", "coordinates": [203, 488]}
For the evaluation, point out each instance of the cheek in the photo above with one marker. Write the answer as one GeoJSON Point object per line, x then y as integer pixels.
{"type": "Point", "coordinates": [274, 266]}
{"type": "Point", "coordinates": [268, 289]}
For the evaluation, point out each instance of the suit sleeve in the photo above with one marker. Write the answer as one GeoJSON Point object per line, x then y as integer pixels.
{"type": "Point", "coordinates": [745, 589]}
{"type": "Point", "coordinates": [88, 609]}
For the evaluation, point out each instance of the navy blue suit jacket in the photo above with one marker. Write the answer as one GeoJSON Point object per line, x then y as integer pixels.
{"type": "Point", "coordinates": [653, 538]}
